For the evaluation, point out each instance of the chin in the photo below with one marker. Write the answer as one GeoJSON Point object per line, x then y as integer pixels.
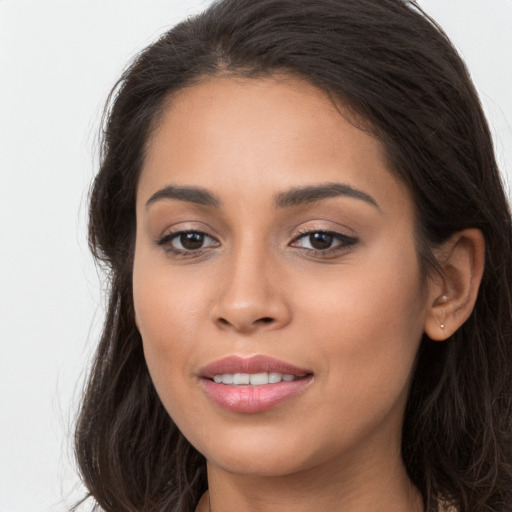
{"type": "Point", "coordinates": [263, 464]}
{"type": "Point", "coordinates": [260, 454]}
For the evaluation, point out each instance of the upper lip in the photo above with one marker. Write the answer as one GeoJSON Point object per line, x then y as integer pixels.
{"type": "Point", "coordinates": [253, 364]}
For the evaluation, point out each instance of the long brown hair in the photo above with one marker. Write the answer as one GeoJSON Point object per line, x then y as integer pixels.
{"type": "Point", "coordinates": [397, 70]}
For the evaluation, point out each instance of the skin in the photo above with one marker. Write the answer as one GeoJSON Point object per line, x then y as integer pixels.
{"type": "Point", "coordinates": [353, 316]}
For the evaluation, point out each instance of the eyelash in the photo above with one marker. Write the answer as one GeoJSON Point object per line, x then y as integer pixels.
{"type": "Point", "coordinates": [345, 242]}
{"type": "Point", "coordinates": [167, 240]}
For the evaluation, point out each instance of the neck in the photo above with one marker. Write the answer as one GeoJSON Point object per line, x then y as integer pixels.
{"type": "Point", "coordinates": [349, 487]}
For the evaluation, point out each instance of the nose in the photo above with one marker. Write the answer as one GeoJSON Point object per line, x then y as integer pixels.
{"type": "Point", "coordinates": [251, 296]}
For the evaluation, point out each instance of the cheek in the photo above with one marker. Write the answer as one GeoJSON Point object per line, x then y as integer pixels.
{"type": "Point", "coordinates": [167, 299]}
{"type": "Point", "coordinates": [382, 293]}
{"type": "Point", "coordinates": [168, 311]}
{"type": "Point", "coordinates": [366, 325]}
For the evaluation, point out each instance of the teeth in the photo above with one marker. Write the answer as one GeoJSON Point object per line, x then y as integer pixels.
{"type": "Point", "coordinates": [254, 379]}
{"type": "Point", "coordinates": [258, 379]}
{"type": "Point", "coordinates": [241, 378]}
{"type": "Point", "coordinates": [274, 378]}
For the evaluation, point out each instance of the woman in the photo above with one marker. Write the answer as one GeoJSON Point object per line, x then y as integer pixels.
{"type": "Point", "coordinates": [309, 251]}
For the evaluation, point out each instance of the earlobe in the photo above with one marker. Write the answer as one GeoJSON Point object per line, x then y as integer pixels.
{"type": "Point", "coordinates": [454, 291]}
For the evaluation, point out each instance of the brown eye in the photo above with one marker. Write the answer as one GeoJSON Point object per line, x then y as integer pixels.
{"type": "Point", "coordinates": [187, 242]}
{"type": "Point", "coordinates": [324, 242]}
{"type": "Point", "coordinates": [191, 241]}
{"type": "Point", "coordinates": [321, 241]}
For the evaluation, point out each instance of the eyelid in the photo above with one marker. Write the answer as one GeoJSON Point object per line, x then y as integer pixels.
{"type": "Point", "coordinates": [174, 234]}
{"type": "Point", "coordinates": [335, 234]}
{"type": "Point", "coordinates": [186, 226]}
{"type": "Point", "coordinates": [323, 226]}
{"type": "Point", "coordinates": [165, 240]}
{"type": "Point", "coordinates": [345, 241]}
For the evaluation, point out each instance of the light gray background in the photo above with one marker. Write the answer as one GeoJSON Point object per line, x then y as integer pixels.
{"type": "Point", "coordinates": [58, 60]}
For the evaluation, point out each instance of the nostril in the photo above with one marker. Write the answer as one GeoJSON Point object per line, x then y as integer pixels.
{"type": "Point", "coordinates": [246, 324]}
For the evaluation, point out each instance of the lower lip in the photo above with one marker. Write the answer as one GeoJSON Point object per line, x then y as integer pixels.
{"type": "Point", "coordinates": [250, 399]}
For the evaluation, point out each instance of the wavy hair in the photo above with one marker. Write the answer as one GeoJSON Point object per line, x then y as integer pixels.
{"type": "Point", "coordinates": [395, 68]}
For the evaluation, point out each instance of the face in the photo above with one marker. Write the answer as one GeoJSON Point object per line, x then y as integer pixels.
{"type": "Point", "coordinates": [276, 280]}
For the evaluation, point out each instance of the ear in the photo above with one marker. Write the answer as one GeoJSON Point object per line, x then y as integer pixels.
{"type": "Point", "coordinates": [453, 293]}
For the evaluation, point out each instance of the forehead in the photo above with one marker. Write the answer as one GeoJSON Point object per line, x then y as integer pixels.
{"type": "Point", "coordinates": [261, 134]}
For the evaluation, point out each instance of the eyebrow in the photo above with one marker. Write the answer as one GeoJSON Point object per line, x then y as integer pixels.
{"type": "Point", "coordinates": [310, 194]}
{"type": "Point", "coordinates": [293, 197]}
{"type": "Point", "coordinates": [195, 195]}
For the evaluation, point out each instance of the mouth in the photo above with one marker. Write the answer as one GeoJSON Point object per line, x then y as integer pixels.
{"type": "Point", "coordinates": [255, 384]}
{"type": "Point", "coordinates": [254, 379]}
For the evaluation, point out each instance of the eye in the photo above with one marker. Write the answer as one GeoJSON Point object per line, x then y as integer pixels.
{"type": "Point", "coordinates": [324, 242]}
{"type": "Point", "coordinates": [186, 242]}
